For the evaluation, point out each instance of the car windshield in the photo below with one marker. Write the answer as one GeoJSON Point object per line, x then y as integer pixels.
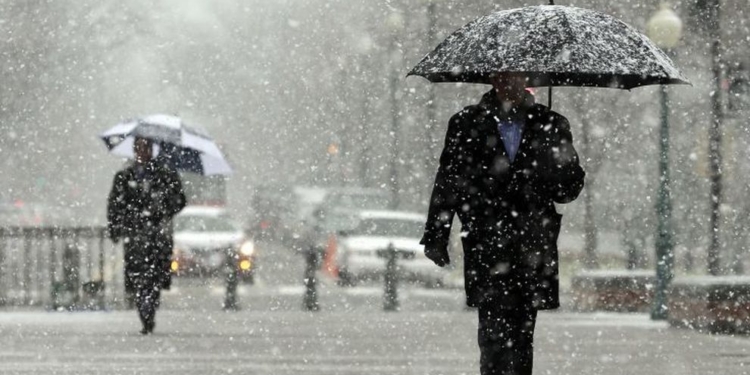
{"type": "Point", "coordinates": [388, 228]}
{"type": "Point", "coordinates": [197, 223]}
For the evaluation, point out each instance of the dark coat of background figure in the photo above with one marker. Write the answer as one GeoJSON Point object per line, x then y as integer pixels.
{"type": "Point", "coordinates": [140, 210]}
{"type": "Point", "coordinates": [509, 221]}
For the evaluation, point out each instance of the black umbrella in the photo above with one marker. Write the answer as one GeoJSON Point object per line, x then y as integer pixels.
{"type": "Point", "coordinates": [554, 46]}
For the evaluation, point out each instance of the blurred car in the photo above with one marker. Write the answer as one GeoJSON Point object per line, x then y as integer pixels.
{"type": "Point", "coordinates": [204, 238]}
{"type": "Point", "coordinates": [339, 208]}
{"type": "Point", "coordinates": [273, 212]}
{"type": "Point", "coordinates": [358, 255]}
{"type": "Point", "coordinates": [308, 199]}
{"type": "Point", "coordinates": [355, 199]}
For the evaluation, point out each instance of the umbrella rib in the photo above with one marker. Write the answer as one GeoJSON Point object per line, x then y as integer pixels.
{"type": "Point", "coordinates": [568, 28]}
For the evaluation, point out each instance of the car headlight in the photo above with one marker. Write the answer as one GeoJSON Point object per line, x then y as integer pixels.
{"type": "Point", "coordinates": [245, 265]}
{"type": "Point", "coordinates": [247, 248]}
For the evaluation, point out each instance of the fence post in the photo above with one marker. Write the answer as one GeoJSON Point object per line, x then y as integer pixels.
{"type": "Point", "coordinates": [230, 300]}
{"type": "Point", "coordinates": [27, 266]}
{"type": "Point", "coordinates": [52, 267]}
{"type": "Point", "coordinates": [310, 302]}
{"type": "Point", "coordinates": [71, 272]}
{"type": "Point", "coordinates": [103, 296]}
{"type": "Point", "coordinates": [89, 258]}
{"type": "Point", "coordinates": [4, 236]}
{"type": "Point", "coordinates": [390, 297]}
{"type": "Point", "coordinates": [40, 235]}
{"type": "Point", "coordinates": [93, 289]}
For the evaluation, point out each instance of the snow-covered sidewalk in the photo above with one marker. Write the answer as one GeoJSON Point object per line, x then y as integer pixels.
{"type": "Point", "coordinates": [210, 341]}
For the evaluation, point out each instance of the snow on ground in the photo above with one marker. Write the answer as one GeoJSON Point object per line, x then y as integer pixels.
{"type": "Point", "coordinates": [432, 334]}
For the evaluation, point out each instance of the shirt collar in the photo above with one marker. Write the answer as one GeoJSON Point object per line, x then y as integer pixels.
{"type": "Point", "coordinates": [510, 124]}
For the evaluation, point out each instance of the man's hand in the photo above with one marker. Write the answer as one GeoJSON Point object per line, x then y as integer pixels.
{"type": "Point", "coordinates": [438, 253]}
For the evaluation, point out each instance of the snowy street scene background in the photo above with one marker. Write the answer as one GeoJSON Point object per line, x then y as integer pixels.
{"type": "Point", "coordinates": [299, 247]}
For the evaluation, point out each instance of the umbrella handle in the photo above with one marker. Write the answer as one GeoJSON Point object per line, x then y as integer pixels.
{"type": "Point", "coordinates": [549, 98]}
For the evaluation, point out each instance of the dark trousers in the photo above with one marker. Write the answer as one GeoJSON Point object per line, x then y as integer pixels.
{"type": "Point", "coordinates": [506, 340]}
{"type": "Point", "coordinates": [144, 276]}
{"type": "Point", "coordinates": [147, 295]}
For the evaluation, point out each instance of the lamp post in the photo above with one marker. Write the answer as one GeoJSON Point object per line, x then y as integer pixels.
{"type": "Point", "coordinates": [714, 143]}
{"type": "Point", "coordinates": [395, 23]}
{"type": "Point", "coordinates": [665, 29]}
{"type": "Point", "coordinates": [432, 19]}
{"type": "Point", "coordinates": [364, 48]}
{"type": "Point", "coordinates": [332, 164]}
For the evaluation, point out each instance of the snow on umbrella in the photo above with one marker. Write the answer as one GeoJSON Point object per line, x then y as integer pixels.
{"type": "Point", "coordinates": [184, 147]}
{"type": "Point", "coordinates": [554, 46]}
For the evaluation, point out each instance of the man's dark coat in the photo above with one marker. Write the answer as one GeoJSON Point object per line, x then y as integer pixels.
{"type": "Point", "coordinates": [509, 222]}
{"type": "Point", "coordinates": [140, 209]}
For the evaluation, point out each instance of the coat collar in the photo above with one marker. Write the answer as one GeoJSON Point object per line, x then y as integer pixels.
{"type": "Point", "coordinates": [152, 165]}
{"type": "Point", "coordinates": [529, 113]}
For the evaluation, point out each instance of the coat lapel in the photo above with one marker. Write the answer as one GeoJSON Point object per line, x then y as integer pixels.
{"type": "Point", "coordinates": [491, 137]}
{"type": "Point", "coordinates": [495, 154]}
{"type": "Point", "coordinates": [526, 137]}
{"type": "Point", "coordinates": [495, 137]}
{"type": "Point", "coordinates": [531, 132]}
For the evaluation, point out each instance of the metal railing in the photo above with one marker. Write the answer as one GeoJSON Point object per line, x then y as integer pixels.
{"type": "Point", "coordinates": [59, 267]}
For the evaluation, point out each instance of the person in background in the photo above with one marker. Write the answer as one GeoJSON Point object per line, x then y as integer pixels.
{"type": "Point", "coordinates": [145, 196]}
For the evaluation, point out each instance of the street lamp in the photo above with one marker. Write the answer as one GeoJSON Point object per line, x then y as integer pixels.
{"type": "Point", "coordinates": [665, 30]}
{"type": "Point", "coordinates": [713, 8]}
{"type": "Point", "coordinates": [395, 23]}
{"type": "Point", "coordinates": [364, 46]}
{"type": "Point", "coordinates": [333, 168]}
{"type": "Point", "coordinates": [432, 19]}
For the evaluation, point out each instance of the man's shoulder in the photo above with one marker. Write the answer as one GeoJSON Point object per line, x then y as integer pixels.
{"type": "Point", "coordinates": [470, 113]}
{"type": "Point", "coordinates": [547, 117]}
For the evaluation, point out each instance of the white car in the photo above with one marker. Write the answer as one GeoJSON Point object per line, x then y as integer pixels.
{"type": "Point", "coordinates": [204, 238]}
{"type": "Point", "coordinates": [358, 248]}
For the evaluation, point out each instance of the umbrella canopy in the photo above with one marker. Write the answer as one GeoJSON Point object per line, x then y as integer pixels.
{"type": "Point", "coordinates": [554, 46]}
{"type": "Point", "coordinates": [182, 146]}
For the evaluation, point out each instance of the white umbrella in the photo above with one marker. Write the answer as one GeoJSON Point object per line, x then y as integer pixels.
{"type": "Point", "coordinates": [191, 149]}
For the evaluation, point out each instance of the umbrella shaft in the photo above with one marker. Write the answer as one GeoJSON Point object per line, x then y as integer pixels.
{"type": "Point", "coordinates": [549, 98]}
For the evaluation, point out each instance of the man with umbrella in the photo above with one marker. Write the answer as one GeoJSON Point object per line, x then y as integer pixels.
{"type": "Point", "coordinates": [505, 163]}
{"type": "Point", "coordinates": [144, 198]}
{"type": "Point", "coordinates": [507, 160]}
